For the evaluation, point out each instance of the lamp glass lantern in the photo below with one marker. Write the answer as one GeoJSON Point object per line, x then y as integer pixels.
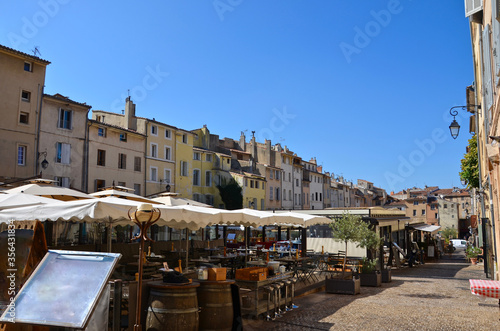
{"type": "Point", "coordinates": [454, 129]}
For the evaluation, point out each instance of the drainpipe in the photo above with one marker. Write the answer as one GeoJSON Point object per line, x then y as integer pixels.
{"type": "Point", "coordinates": [37, 125]}
{"type": "Point", "coordinates": [492, 212]}
{"type": "Point", "coordinates": [146, 160]}
{"type": "Point", "coordinates": [85, 170]}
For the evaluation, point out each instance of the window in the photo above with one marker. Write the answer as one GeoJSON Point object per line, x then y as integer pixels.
{"type": "Point", "coordinates": [101, 132]}
{"type": "Point", "coordinates": [137, 163]}
{"type": "Point", "coordinates": [99, 118]}
{"type": "Point", "coordinates": [433, 207]}
{"type": "Point", "coordinates": [168, 134]}
{"type": "Point", "coordinates": [26, 96]}
{"type": "Point", "coordinates": [296, 182]}
{"type": "Point", "coordinates": [184, 168]}
{"type": "Point", "coordinates": [263, 185]}
{"type": "Point", "coordinates": [167, 153]}
{"type": "Point", "coordinates": [24, 118]}
{"type": "Point", "coordinates": [65, 119]}
{"type": "Point", "coordinates": [196, 177]}
{"type": "Point", "coordinates": [62, 181]}
{"type": "Point", "coordinates": [277, 175]}
{"type": "Point", "coordinates": [166, 176]}
{"type": "Point", "coordinates": [246, 182]}
{"type": "Point", "coordinates": [415, 203]}
{"type": "Point", "coordinates": [154, 150]}
{"type": "Point", "coordinates": [101, 157]}
{"type": "Point", "coordinates": [290, 195]}
{"type": "Point", "coordinates": [445, 205]}
{"type": "Point", "coordinates": [123, 184]}
{"type": "Point", "coordinates": [153, 174]}
{"type": "Point", "coordinates": [251, 184]}
{"type": "Point", "coordinates": [277, 194]}
{"type": "Point", "coordinates": [256, 184]}
{"type": "Point", "coordinates": [289, 177]}
{"type": "Point", "coordinates": [28, 66]}
{"type": "Point", "coordinates": [463, 205]}
{"type": "Point", "coordinates": [262, 204]}
{"type": "Point", "coordinates": [209, 199]}
{"type": "Point", "coordinates": [98, 184]}
{"type": "Point", "coordinates": [423, 212]}
{"type": "Point", "coordinates": [137, 189]}
{"type": "Point", "coordinates": [321, 197]}
{"type": "Point", "coordinates": [154, 130]}
{"type": "Point", "coordinates": [208, 178]}
{"type": "Point", "coordinates": [196, 156]}
{"type": "Point", "coordinates": [63, 153]}
{"type": "Point", "coordinates": [271, 191]}
{"type": "Point", "coordinates": [435, 215]}
{"type": "Point", "coordinates": [414, 212]}
{"type": "Point", "coordinates": [208, 158]}
{"type": "Point", "coordinates": [123, 137]}
{"type": "Point", "coordinates": [271, 174]}
{"type": "Point", "coordinates": [122, 161]}
{"type": "Point", "coordinates": [21, 155]}
{"type": "Point", "coordinates": [185, 138]}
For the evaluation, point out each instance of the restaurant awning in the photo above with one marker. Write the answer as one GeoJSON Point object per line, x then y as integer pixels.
{"type": "Point", "coordinates": [426, 227]}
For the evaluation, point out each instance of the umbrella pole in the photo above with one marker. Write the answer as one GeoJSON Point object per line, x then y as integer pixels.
{"type": "Point", "coordinates": [109, 237]}
{"type": "Point", "coordinates": [187, 248]}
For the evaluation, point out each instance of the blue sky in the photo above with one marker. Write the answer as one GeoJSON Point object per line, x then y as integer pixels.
{"type": "Point", "coordinates": [365, 87]}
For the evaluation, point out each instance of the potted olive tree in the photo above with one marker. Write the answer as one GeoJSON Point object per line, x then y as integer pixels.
{"type": "Point", "coordinates": [370, 274]}
{"type": "Point", "coordinates": [345, 229]}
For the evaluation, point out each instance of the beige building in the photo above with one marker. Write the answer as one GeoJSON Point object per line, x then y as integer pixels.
{"type": "Point", "coordinates": [115, 156]}
{"type": "Point", "coordinates": [21, 89]}
{"type": "Point", "coordinates": [63, 133]}
{"type": "Point", "coordinates": [484, 20]}
{"type": "Point", "coordinates": [167, 150]}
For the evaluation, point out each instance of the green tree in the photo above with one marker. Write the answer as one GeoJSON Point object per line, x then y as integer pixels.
{"type": "Point", "coordinates": [348, 228]}
{"type": "Point", "coordinates": [230, 193]}
{"type": "Point", "coordinates": [470, 170]}
{"type": "Point", "coordinates": [449, 233]}
{"type": "Point", "coordinates": [370, 240]}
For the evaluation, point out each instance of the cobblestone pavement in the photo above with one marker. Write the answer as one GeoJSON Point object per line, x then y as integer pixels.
{"type": "Point", "coordinates": [433, 296]}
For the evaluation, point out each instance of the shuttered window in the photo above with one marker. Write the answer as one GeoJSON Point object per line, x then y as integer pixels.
{"type": "Point", "coordinates": [487, 77]}
{"type": "Point", "coordinates": [473, 6]}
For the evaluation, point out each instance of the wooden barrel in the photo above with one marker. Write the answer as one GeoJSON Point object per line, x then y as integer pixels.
{"type": "Point", "coordinates": [216, 304]}
{"type": "Point", "coordinates": [172, 307]}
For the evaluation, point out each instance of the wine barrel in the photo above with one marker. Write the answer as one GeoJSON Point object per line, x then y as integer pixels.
{"type": "Point", "coordinates": [172, 307]}
{"type": "Point", "coordinates": [216, 304]}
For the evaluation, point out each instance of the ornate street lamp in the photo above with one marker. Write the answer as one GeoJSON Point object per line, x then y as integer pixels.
{"type": "Point", "coordinates": [454, 126]}
{"type": "Point", "coordinates": [44, 163]}
{"type": "Point", "coordinates": [143, 217]}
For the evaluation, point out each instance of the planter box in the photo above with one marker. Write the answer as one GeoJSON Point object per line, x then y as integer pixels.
{"type": "Point", "coordinates": [386, 275]}
{"type": "Point", "coordinates": [342, 286]}
{"type": "Point", "coordinates": [374, 279]}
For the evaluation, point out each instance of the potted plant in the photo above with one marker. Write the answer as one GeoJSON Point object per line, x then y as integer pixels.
{"type": "Point", "coordinates": [472, 252]}
{"type": "Point", "coordinates": [369, 275]}
{"type": "Point", "coordinates": [345, 229]}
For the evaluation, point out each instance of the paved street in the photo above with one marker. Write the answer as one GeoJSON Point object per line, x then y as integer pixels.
{"type": "Point", "coordinates": [434, 296]}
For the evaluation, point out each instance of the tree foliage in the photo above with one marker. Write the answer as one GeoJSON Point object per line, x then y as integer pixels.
{"type": "Point", "coordinates": [470, 170]}
{"type": "Point", "coordinates": [449, 233]}
{"type": "Point", "coordinates": [230, 193]}
{"type": "Point", "coordinates": [351, 228]}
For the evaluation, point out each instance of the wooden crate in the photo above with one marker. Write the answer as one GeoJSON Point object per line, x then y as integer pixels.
{"type": "Point", "coordinates": [217, 274]}
{"type": "Point", "coordinates": [251, 273]}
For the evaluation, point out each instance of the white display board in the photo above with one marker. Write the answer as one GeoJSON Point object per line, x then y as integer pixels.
{"type": "Point", "coordinates": [63, 290]}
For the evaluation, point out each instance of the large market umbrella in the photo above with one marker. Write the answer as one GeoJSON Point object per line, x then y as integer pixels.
{"type": "Point", "coordinates": [15, 200]}
{"type": "Point", "coordinates": [169, 200]}
{"type": "Point", "coordinates": [111, 192]}
{"type": "Point", "coordinates": [50, 191]}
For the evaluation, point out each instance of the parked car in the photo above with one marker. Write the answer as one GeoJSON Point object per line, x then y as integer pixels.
{"type": "Point", "coordinates": [459, 243]}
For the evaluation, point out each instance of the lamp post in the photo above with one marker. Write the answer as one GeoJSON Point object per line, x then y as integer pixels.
{"type": "Point", "coordinates": [143, 217]}
{"type": "Point", "coordinates": [454, 126]}
{"type": "Point", "coordinates": [44, 163]}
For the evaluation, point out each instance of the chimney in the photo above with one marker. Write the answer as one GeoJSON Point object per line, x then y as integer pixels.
{"type": "Point", "coordinates": [130, 119]}
{"type": "Point", "coordinates": [242, 141]}
{"type": "Point", "coordinates": [268, 152]}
